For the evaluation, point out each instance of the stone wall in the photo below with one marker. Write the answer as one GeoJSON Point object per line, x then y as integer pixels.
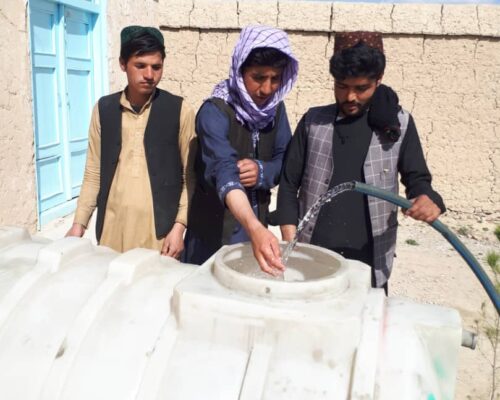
{"type": "Point", "coordinates": [17, 170]}
{"type": "Point", "coordinates": [443, 60]}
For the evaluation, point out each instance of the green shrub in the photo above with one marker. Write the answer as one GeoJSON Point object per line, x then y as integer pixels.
{"type": "Point", "coordinates": [492, 259]}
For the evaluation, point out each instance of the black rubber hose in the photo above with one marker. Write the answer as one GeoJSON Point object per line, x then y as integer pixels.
{"type": "Point", "coordinates": [443, 230]}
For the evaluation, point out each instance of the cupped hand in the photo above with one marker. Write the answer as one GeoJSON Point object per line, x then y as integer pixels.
{"type": "Point", "coordinates": [266, 250]}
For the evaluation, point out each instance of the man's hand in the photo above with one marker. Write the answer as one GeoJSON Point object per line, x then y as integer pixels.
{"type": "Point", "coordinates": [249, 172]}
{"type": "Point", "coordinates": [173, 245]}
{"type": "Point", "coordinates": [288, 232]}
{"type": "Point", "coordinates": [76, 230]}
{"type": "Point", "coordinates": [266, 250]}
{"type": "Point", "coordinates": [265, 245]}
{"type": "Point", "coordinates": [423, 209]}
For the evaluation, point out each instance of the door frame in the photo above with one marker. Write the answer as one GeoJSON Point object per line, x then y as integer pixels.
{"type": "Point", "coordinates": [97, 8]}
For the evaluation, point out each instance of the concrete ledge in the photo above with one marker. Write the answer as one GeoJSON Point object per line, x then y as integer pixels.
{"type": "Point", "coordinates": [489, 19]}
{"type": "Point", "coordinates": [460, 20]}
{"type": "Point", "coordinates": [263, 12]}
{"type": "Point", "coordinates": [415, 18]}
{"type": "Point", "coordinates": [315, 16]}
{"type": "Point", "coordinates": [368, 17]}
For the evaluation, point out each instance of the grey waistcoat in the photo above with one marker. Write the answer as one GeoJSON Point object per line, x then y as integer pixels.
{"type": "Point", "coordinates": [380, 169]}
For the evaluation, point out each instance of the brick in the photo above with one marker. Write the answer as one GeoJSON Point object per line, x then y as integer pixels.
{"type": "Point", "coordinates": [449, 50]}
{"type": "Point", "coordinates": [398, 48]}
{"type": "Point", "coordinates": [349, 17]}
{"type": "Point", "coordinates": [417, 18]}
{"type": "Point", "coordinates": [305, 16]}
{"type": "Point", "coordinates": [181, 42]}
{"type": "Point", "coordinates": [175, 13]}
{"type": "Point", "coordinates": [489, 19]}
{"type": "Point", "coordinates": [258, 12]}
{"type": "Point", "coordinates": [214, 14]}
{"type": "Point", "coordinates": [460, 19]}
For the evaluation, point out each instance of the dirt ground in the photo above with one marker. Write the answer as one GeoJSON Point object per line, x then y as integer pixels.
{"type": "Point", "coordinates": [432, 272]}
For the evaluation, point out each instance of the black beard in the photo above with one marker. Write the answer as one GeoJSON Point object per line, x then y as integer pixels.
{"type": "Point", "coordinates": [362, 108]}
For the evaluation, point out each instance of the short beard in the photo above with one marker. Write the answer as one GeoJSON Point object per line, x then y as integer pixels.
{"type": "Point", "coordinates": [362, 108]}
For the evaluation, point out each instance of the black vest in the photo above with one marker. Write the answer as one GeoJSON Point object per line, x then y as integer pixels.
{"type": "Point", "coordinates": [209, 219]}
{"type": "Point", "coordinates": [161, 145]}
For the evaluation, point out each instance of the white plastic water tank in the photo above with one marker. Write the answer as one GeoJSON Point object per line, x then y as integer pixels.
{"type": "Point", "coordinates": [84, 322]}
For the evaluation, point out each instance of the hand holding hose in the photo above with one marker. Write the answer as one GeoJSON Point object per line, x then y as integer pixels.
{"type": "Point", "coordinates": [423, 209]}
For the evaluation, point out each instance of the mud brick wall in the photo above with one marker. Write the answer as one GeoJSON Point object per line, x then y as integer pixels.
{"type": "Point", "coordinates": [443, 60]}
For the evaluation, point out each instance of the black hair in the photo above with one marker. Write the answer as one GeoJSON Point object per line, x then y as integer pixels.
{"type": "Point", "coordinates": [142, 44]}
{"type": "Point", "coordinates": [266, 56]}
{"type": "Point", "coordinates": [360, 60]}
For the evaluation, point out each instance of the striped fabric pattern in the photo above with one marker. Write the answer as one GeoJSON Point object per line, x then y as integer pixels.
{"type": "Point", "coordinates": [380, 169]}
{"type": "Point", "coordinates": [233, 90]}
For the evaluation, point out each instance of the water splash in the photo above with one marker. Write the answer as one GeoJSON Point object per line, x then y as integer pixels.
{"type": "Point", "coordinates": [313, 211]}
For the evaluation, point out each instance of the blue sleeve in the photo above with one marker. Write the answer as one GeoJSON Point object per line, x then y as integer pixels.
{"type": "Point", "coordinates": [269, 171]}
{"type": "Point", "coordinates": [212, 128]}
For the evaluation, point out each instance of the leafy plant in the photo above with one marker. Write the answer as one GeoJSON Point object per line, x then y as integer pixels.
{"type": "Point", "coordinates": [491, 327]}
{"type": "Point", "coordinates": [411, 242]}
{"type": "Point", "coordinates": [497, 232]}
{"type": "Point", "coordinates": [493, 258]}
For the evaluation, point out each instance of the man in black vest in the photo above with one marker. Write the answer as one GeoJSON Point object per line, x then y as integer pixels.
{"type": "Point", "coordinates": [139, 141]}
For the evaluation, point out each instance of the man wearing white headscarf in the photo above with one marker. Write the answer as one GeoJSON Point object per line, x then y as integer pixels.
{"type": "Point", "coordinates": [243, 132]}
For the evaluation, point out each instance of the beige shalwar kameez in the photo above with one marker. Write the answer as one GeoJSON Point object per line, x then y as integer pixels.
{"type": "Point", "coordinates": [129, 218]}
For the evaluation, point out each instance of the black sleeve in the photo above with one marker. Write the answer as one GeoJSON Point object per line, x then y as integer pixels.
{"type": "Point", "coordinates": [413, 169]}
{"type": "Point", "coordinates": [287, 209]}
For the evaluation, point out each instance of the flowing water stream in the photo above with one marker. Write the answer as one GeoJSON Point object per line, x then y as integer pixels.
{"type": "Point", "coordinates": [312, 212]}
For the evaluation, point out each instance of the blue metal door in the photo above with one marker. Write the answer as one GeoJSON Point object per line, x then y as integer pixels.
{"type": "Point", "coordinates": [66, 84]}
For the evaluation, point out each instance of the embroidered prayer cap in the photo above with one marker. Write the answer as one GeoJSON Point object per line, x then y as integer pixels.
{"type": "Point", "coordinates": [134, 31]}
{"type": "Point", "coordinates": [345, 40]}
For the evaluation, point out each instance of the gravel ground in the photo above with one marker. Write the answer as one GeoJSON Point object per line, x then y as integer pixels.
{"type": "Point", "coordinates": [431, 271]}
